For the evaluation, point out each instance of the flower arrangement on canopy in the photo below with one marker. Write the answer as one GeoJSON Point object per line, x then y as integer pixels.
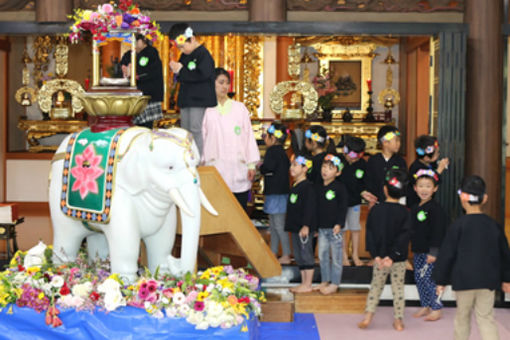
{"type": "Point", "coordinates": [217, 297]}
{"type": "Point", "coordinates": [111, 16]}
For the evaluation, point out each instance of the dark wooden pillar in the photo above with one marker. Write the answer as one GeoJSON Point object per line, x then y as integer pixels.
{"type": "Point", "coordinates": [268, 10]}
{"type": "Point", "coordinates": [282, 58]}
{"type": "Point", "coordinates": [484, 115]}
{"type": "Point", "coordinates": [47, 11]}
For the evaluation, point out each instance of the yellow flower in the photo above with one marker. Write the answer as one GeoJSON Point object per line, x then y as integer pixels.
{"type": "Point", "coordinates": [18, 292]}
{"type": "Point", "coordinates": [33, 270]}
{"type": "Point", "coordinates": [206, 275]}
{"type": "Point", "coordinates": [225, 283]}
{"type": "Point", "coordinates": [116, 277]}
{"type": "Point", "coordinates": [40, 296]}
{"type": "Point", "coordinates": [86, 15]}
{"type": "Point", "coordinates": [202, 295]}
{"type": "Point", "coordinates": [244, 328]}
{"type": "Point", "coordinates": [180, 40]}
{"type": "Point", "coordinates": [217, 270]}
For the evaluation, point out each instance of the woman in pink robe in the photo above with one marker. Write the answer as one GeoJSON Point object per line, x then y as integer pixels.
{"type": "Point", "coordinates": [229, 143]}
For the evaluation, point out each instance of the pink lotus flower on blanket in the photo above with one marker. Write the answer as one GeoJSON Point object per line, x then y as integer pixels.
{"type": "Point", "coordinates": [86, 172]}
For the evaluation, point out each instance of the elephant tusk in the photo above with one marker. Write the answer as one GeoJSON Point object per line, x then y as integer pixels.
{"type": "Point", "coordinates": [176, 196]}
{"type": "Point", "coordinates": [207, 205]}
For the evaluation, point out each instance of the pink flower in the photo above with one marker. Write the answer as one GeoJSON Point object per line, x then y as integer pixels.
{"type": "Point", "coordinates": [152, 286]}
{"type": "Point", "coordinates": [192, 296]}
{"type": "Point", "coordinates": [199, 306]}
{"type": "Point", "coordinates": [143, 293]}
{"type": "Point", "coordinates": [106, 8]}
{"type": "Point", "coordinates": [86, 172]}
{"type": "Point", "coordinates": [168, 293]}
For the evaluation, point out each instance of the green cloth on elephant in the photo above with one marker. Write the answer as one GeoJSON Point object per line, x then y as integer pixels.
{"type": "Point", "coordinates": [88, 176]}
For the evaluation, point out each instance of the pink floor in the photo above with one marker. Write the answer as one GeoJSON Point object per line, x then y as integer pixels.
{"type": "Point", "coordinates": [344, 326]}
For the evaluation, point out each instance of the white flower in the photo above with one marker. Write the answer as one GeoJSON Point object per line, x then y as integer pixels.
{"type": "Point", "coordinates": [82, 289]}
{"type": "Point", "coordinates": [112, 300]}
{"type": "Point", "coordinates": [171, 312]}
{"type": "Point", "coordinates": [195, 318]}
{"type": "Point", "coordinates": [213, 308]}
{"type": "Point", "coordinates": [178, 298]}
{"type": "Point", "coordinates": [183, 310]}
{"type": "Point", "coordinates": [57, 281]}
{"type": "Point", "coordinates": [19, 278]}
{"type": "Point", "coordinates": [35, 255]}
{"type": "Point", "coordinates": [202, 325]}
{"type": "Point", "coordinates": [210, 287]}
{"type": "Point", "coordinates": [188, 33]}
{"type": "Point", "coordinates": [108, 285]}
{"type": "Point", "coordinates": [165, 300]}
{"type": "Point", "coordinates": [70, 301]}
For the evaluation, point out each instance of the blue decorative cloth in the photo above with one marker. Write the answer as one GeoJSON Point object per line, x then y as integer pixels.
{"type": "Point", "coordinates": [276, 204]}
{"type": "Point", "coordinates": [126, 323]}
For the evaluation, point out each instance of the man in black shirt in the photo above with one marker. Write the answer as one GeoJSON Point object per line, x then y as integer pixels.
{"type": "Point", "coordinates": [149, 79]}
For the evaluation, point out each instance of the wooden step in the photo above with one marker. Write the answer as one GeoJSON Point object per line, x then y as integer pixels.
{"type": "Point", "coordinates": [277, 311]}
{"type": "Point", "coordinates": [345, 301]}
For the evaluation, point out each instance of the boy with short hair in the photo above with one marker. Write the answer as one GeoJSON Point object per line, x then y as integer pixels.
{"type": "Point", "coordinates": [427, 157]}
{"type": "Point", "coordinates": [195, 72]}
{"type": "Point", "coordinates": [474, 258]}
{"type": "Point", "coordinates": [379, 164]}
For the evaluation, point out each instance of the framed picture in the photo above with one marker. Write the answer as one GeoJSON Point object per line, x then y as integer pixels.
{"type": "Point", "coordinates": [349, 66]}
{"type": "Point", "coordinates": [346, 77]}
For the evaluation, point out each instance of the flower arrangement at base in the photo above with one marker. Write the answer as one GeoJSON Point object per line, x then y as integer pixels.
{"type": "Point", "coordinates": [110, 16]}
{"type": "Point", "coordinates": [217, 297]}
{"type": "Point", "coordinates": [326, 91]}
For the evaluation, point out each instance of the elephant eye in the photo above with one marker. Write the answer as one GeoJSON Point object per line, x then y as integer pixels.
{"type": "Point", "coordinates": [171, 167]}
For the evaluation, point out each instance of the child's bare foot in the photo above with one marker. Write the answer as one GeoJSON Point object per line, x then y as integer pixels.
{"type": "Point", "coordinates": [434, 315]}
{"type": "Point", "coordinates": [358, 262]}
{"type": "Point", "coordinates": [330, 289]}
{"type": "Point", "coordinates": [320, 286]}
{"type": "Point", "coordinates": [409, 266]}
{"type": "Point", "coordinates": [422, 312]}
{"type": "Point", "coordinates": [346, 261]}
{"type": "Point", "coordinates": [398, 324]}
{"type": "Point", "coordinates": [302, 289]}
{"type": "Point", "coordinates": [366, 321]}
{"type": "Point", "coordinates": [285, 259]}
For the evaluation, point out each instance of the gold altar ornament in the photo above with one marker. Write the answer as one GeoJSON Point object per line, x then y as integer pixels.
{"type": "Point", "coordinates": [53, 86]}
{"type": "Point", "coordinates": [25, 95]}
{"type": "Point", "coordinates": [301, 87]}
{"type": "Point", "coordinates": [110, 104]}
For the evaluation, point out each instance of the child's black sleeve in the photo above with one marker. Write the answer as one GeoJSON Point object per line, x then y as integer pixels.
{"type": "Point", "coordinates": [310, 209]}
{"type": "Point", "coordinates": [269, 164]}
{"type": "Point", "coordinates": [438, 224]}
{"type": "Point", "coordinates": [401, 242]}
{"type": "Point", "coordinates": [505, 256]}
{"type": "Point", "coordinates": [369, 233]}
{"type": "Point", "coordinates": [447, 255]}
{"type": "Point", "coordinates": [153, 69]}
{"type": "Point", "coordinates": [343, 202]}
{"type": "Point", "coordinates": [370, 176]}
{"type": "Point", "coordinates": [204, 70]}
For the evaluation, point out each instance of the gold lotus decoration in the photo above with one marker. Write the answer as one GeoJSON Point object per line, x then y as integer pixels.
{"type": "Point", "coordinates": [108, 104]}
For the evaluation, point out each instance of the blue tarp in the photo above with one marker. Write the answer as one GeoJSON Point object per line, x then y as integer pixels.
{"type": "Point", "coordinates": [128, 323]}
{"type": "Point", "coordinates": [303, 328]}
{"type": "Point", "coordinates": [133, 323]}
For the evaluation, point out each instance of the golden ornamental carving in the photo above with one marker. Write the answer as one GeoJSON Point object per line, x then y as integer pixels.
{"type": "Point", "coordinates": [304, 88]}
{"type": "Point", "coordinates": [294, 64]}
{"type": "Point", "coordinates": [251, 73]}
{"type": "Point", "coordinates": [389, 94]}
{"type": "Point", "coordinates": [37, 129]}
{"type": "Point", "coordinates": [42, 47]}
{"type": "Point", "coordinates": [61, 58]}
{"type": "Point", "coordinates": [52, 86]}
{"type": "Point", "coordinates": [26, 95]}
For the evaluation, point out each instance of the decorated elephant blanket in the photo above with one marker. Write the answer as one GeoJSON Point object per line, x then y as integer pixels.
{"type": "Point", "coordinates": [88, 177]}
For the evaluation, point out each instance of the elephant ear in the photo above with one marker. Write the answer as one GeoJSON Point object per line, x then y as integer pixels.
{"type": "Point", "coordinates": [131, 172]}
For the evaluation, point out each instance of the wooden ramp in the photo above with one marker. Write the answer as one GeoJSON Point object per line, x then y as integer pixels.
{"type": "Point", "coordinates": [346, 301]}
{"type": "Point", "coordinates": [231, 233]}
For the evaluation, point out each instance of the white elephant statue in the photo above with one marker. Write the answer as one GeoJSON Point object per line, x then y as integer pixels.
{"type": "Point", "coordinates": [154, 173]}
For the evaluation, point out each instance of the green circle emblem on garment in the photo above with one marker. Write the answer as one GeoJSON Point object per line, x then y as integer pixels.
{"type": "Point", "coordinates": [359, 174]}
{"type": "Point", "coordinates": [293, 198]}
{"type": "Point", "coordinates": [421, 215]}
{"type": "Point", "coordinates": [192, 65]}
{"type": "Point", "coordinates": [237, 130]}
{"type": "Point", "coordinates": [143, 61]}
{"type": "Point", "coordinates": [330, 194]}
